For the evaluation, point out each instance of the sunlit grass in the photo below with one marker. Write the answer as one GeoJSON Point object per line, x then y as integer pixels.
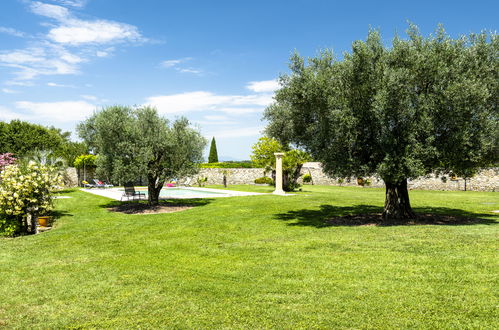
{"type": "Point", "coordinates": [256, 262]}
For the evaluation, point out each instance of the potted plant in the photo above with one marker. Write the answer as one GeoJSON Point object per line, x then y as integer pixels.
{"type": "Point", "coordinates": [44, 221]}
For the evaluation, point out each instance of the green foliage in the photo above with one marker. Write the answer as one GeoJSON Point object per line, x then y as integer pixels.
{"type": "Point", "coordinates": [307, 178]}
{"type": "Point", "coordinates": [293, 160]}
{"type": "Point", "coordinates": [25, 192]}
{"type": "Point", "coordinates": [213, 157]}
{"type": "Point", "coordinates": [228, 165]}
{"type": "Point", "coordinates": [419, 106]}
{"type": "Point", "coordinates": [25, 139]}
{"type": "Point", "coordinates": [264, 180]}
{"type": "Point", "coordinates": [137, 142]}
{"type": "Point", "coordinates": [85, 161]}
{"type": "Point", "coordinates": [201, 181]}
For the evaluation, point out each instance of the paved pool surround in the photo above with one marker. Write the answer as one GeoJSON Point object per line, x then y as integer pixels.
{"type": "Point", "coordinates": [117, 193]}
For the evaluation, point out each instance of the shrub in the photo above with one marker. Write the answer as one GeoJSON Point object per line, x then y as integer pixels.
{"type": "Point", "coordinates": [25, 192]}
{"type": "Point", "coordinates": [201, 181]}
{"type": "Point", "coordinates": [264, 180]}
{"type": "Point", "coordinates": [307, 178]}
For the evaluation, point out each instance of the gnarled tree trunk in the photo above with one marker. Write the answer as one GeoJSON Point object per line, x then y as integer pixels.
{"type": "Point", "coordinates": [397, 204]}
{"type": "Point", "coordinates": [154, 188]}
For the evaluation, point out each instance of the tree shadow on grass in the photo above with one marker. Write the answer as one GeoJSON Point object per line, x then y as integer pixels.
{"type": "Point", "coordinates": [368, 215]}
{"type": "Point", "coordinates": [56, 214]}
{"type": "Point", "coordinates": [164, 206]}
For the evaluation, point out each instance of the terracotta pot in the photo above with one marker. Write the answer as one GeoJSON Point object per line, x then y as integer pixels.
{"type": "Point", "coordinates": [44, 221]}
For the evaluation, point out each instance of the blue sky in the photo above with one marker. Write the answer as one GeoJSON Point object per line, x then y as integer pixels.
{"type": "Point", "coordinates": [214, 62]}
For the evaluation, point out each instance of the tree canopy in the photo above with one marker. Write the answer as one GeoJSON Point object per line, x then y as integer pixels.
{"type": "Point", "coordinates": [213, 156]}
{"type": "Point", "coordinates": [136, 142]}
{"type": "Point", "coordinates": [423, 105]}
{"type": "Point", "coordinates": [24, 139]}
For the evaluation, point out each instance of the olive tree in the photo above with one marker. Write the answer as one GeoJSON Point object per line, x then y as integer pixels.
{"type": "Point", "coordinates": [136, 142]}
{"type": "Point", "coordinates": [423, 105]}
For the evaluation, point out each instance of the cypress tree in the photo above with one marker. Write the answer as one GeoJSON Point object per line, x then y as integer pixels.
{"type": "Point", "coordinates": [213, 157]}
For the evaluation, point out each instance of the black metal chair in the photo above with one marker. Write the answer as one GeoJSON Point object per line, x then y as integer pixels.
{"type": "Point", "coordinates": [131, 192]}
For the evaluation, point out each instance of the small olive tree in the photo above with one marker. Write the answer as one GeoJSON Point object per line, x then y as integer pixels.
{"type": "Point", "coordinates": [133, 142]}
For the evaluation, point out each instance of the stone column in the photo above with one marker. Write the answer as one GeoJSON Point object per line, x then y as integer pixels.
{"type": "Point", "coordinates": [278, 174]}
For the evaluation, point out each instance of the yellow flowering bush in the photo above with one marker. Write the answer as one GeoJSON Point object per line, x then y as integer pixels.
{"type": "Point", "coordinates": [25, 192]}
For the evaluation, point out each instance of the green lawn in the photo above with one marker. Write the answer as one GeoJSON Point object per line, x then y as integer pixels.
{"type": "Point", "coordinates": [256, 262]}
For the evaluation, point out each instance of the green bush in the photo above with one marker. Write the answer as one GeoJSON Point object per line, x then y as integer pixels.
{"type": "Point", "coordinates": [264, 180]}
{"type": "Point", "coordinates": [307, 178]}
{"type": "Point", "coordinates": [228, 165]}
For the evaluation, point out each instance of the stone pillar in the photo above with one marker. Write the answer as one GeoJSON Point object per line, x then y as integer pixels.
{"type": "Point", "coordinates": [278, 174]}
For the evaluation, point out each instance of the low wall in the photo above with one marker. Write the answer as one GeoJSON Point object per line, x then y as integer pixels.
{"type": "Point", "coordinates": [236, 175]}
{"type": "Point", "coordinates": [485, 180]}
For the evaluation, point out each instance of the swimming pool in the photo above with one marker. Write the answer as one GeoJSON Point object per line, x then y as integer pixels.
{"type": "Point", "coordinates": [188, 193]}
{"type": "Point", "coordinates": [174, 192]}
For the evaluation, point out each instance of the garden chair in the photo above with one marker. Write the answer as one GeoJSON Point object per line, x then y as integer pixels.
{"type": "Point", "coordinates": [131, 192]}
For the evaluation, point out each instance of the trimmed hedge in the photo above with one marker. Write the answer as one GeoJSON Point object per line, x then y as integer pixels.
{"type": "Point", "coordinates": [228, 165]}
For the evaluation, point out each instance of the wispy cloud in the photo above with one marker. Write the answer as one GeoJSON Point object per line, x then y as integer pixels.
{"type": "Point", "coordinates": [12, 32]}
{"type": "Point", "coordinates": [53, 84]}
{"type": "Point", "coordinates": [71, 3]}
{"type": "Point", "coordinates": [176, 64]}
{"type": "Point", "coordinates": [206, 101]}
{"type": "Point", "coordinates": [264, 86]}
{"type": "Point", "coordinates": [9, 91]}
{"type": "Point", "coordinates": [59, 112]}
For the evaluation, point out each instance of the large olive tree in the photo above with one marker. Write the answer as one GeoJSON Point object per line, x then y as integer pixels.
{"type": "Point", "coordinates": [423, 105]}
{"type": "Point", "coordinates": [137, 142]}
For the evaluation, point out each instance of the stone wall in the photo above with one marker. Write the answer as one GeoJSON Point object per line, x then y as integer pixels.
{"type": "Point", "coordinates": [485, 180]}
{"type": "Point", "coordinates": [236, 175]}
{"type": "Point", "coordinates": [73, 176]}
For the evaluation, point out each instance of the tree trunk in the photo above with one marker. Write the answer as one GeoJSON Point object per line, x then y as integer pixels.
{"type": "Point", "coordinates": [154, 186]}
{"type": "Point", "coordinates": [397, 204]}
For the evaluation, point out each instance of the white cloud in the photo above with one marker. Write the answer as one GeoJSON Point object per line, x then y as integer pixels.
{"type": "Point", "coordinates": [76, 32]}
{"type": "Point", "coordinates": [237, 132]}
{"type": "Point", "coordinates": [206, 101]}
{"type": "Point", "coordinates": [44, 59]}
{"type": "Point", "coordinates": [265, 86]}
{"type": "Point", "coordinates": [189, 70]}
{"type": "Point", "coordinates": [49, 54]}
{"type": "Point", "coordinates": [9, 91]}
{"type": "Point", "coordinates": [8, 115]}
{"type": "Point", "coordinates": [65, 111]}
{"type": "Point", "coordinates": [12, 32]}
{"type": "Point", "coordinates": [53, 84]}
{"type": "Point", "coordinates": [170, 63]}
{"type": "Point", "coordinates": [48, 10]}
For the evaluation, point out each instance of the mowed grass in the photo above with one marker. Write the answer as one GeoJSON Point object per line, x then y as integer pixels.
{"type": "Point", "coordinates": [256, 262]}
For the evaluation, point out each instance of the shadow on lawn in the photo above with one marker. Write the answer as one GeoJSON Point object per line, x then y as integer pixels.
{"type": "Point", "coordinates": [368, 215]}
{"type": "Point", "coordinates": [165, 205]}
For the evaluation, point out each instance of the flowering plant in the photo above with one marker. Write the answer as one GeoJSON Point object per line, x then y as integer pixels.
{"type": "Point", "coordinates": [6, 159]}
{"type": "Point", "coordinates": [25, 191]}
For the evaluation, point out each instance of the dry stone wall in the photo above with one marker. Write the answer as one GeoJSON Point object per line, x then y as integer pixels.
{"type": "Point", "coordinates": [485, 180]}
